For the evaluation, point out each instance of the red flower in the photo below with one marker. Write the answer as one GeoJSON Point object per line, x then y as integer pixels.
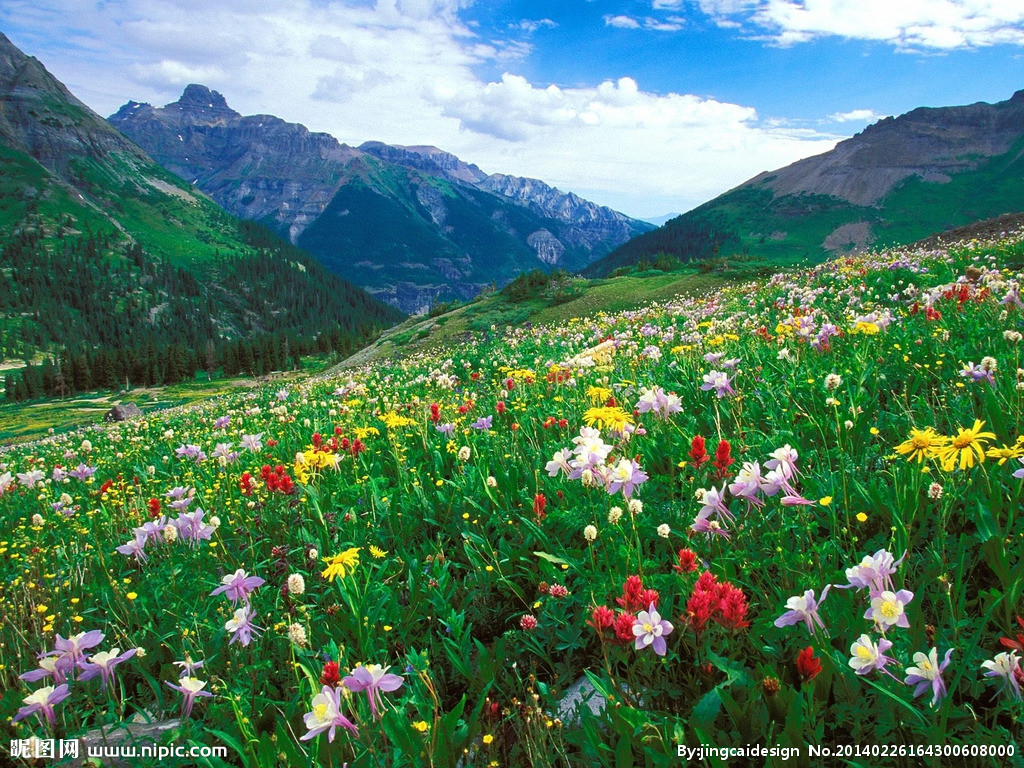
{"type": "Point", "coordinates": [106, 487]}
{"type": "Point", "coordinates": [632, 595]}
{"type": "Point", "coordinates": [435, 412]}
{"type": "Point", "coordinates": [687, 561]}
{"type": "Point", "coordinates": [698, 452]}
{"type": "Point", "coordinates": [732, 607]}
{"type": "Point", "coordinates": [548, 422]}
{"type": "Point", "coordinates": [539, 503]}
{"type": "Point", "coordinates": [500, 407]}
{"type": "Point", "coordinates": [602, 618]}
{"type": "Point", "coordinates": [723, 458]}
{"type": "Point", "coordinates": [331, 674]}
{"type": "Point", "coordinates": [1018, 644]}
{"type": "Point", "coordinates": [624, 627]}
{"type": "Point", "coordinates": [271, 443]}
{"type": "Point", "coordinates": [699, 609]}
{"type": "Point", "coordinates": [527, 622]}
{"type": "Point", "coordinates": [563, 423]}
{"type": "Point", "coordinates": [154, 507]}
{"type": "Point", "coordinates": [807, 666]}
{"type": "Point", "coordinates": [245, 484]}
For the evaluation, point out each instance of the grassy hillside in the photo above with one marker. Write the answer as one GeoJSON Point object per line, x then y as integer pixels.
{"type": "Point", "coordinates": [783, 511]}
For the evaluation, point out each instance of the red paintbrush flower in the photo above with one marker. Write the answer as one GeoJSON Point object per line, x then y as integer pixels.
{"type": "Point", "coordinates": [807, 665]}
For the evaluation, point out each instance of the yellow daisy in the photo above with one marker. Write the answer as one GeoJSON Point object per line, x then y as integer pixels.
{"type": "Point", "coordinates": [341, 564]}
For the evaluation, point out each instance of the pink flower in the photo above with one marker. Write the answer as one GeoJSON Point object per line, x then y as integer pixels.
{"type": "Point", "coordinates": [373, 678]}
{"type": "Point", "coordinates": [43, 701]}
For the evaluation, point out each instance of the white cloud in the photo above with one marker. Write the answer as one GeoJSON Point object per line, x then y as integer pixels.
{"type": "Point", "coordinates": [406, 72]}
{"type": "Point", "coordinates": [532, 25]}
{"type": "Point", "coordinates": [670, 24]}
{"type": "Point", "coordinates": [907, 24]}
{"type": "Point", "coordinates": [856, 116]}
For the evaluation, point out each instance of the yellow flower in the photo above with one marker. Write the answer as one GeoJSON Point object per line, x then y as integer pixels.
{"type": "Point", "coordinates": [967, 445]}
{"type": "Point", "coordinates": [421, 726]}
{"type": "Point", "coordinates": [922, 444]}
{"type": "Point", "coordinates": [599, 394]}
{"type": "Point", "coordinates": [825, 501]}
{"type": "Point", "coordinates": [131, 595]}
{"type": "Point", "coordinates": [392, 420]}
{"type": "Point", "coordinates": [488, 738]}
{"type": "Point", "coordinates": [1006, 452]}
{"type": "Point", "coordinates": [341, 564]}
{"type": "Point", "coordinates": [377, 552]}
{"type": "Point", "coordinates": [613, 417]}
{"type": "Point", "coordinates": [861, 517]}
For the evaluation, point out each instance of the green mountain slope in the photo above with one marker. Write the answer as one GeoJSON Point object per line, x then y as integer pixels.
{"type": "Point", "coordinates": [899, 180]}
{"type": "Point", "coordinates": [115, 266]}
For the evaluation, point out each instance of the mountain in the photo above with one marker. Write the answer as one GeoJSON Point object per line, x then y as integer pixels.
{"type": "Point", "coordinates": [900, 179]}
{"type": "Point", "coordinates": [107, 255]}
{"type": "Point", "coordinates": [414, 225]}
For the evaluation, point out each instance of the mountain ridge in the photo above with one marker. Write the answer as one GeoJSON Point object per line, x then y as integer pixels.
{"type": "Point", "coordinates": [899, 180]}
{"type": "Point", "coordinates": [350, 206]}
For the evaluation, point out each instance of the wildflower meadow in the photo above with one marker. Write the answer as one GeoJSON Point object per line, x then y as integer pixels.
{"type": "Point", "coordinates": [787, 513]}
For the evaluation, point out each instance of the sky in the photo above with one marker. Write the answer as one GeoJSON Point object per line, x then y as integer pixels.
{"type": "Point", "coordinates": [648, 106]}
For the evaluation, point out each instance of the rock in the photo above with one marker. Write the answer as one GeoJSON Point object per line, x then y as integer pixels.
{"type": "Point", "coordinates": [122, 412]}
{"type": "Point", "coordinates": [580, 694]}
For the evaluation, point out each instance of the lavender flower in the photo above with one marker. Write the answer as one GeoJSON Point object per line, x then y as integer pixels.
{"type": "Point", "coordinates": [445, 429]}
{"type": "Point", "coordinates": [190, 526]}
{"type": "Point", "coordinates": [1007, 667]}
{"type": "Point", "coordinates": [134, 547]}
{"type": "Point", "coordinates": [82, 472]}
{"type": "Point", "coordinates": [326, 715]}
{"type": "Point", "coordinates": [188, 667]}
{"type": "Point", "coordinates": [873, 573]}
{"type": "Point", "coordinates": [887, 609]}
{"type": "Point", "coordinates": [43, 701]}
{"type": "Point", "coordinates": [928, 674]}
{"type": "Point", "coordinates": [238, 586]}
{"type": "Point", "coordinates": [70, 651]}
{"type": "Point", "coordinates": [483, 423]}
{"type": "Point", "coordinates": [241, 627]}
{"type": "Point", "coordinates": [372, 678]}
{"type": "Point", "coordinates": [625, 475]}
{"type": "Point", "coordinates": [103, 664]}
{"type": "Point", "coordinates": [253, 443]}
{"type": "Point", "coordinates": [189, 688]}
{"type": "Point", "coordinates": [718, 381]}
{"type": "Point", "coordinates": [803, 608]}
{"type": "Point", "coordinates": [868, 656]}
{"type": "Point", "coordinates": [650, 629]}
{"type": "Point", "coordinates": [49, 666]}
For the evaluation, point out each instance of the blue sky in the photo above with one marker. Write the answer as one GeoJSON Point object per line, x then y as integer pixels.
{"type": "Point", "coordinates": [650, 106]}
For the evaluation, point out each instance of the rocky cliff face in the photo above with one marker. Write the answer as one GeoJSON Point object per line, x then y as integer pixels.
{"type": "Point", "coordinates": [411, 224]}
{"type": "Point", "coordinates": [41, 118]}
{"type": "Point", "coordinates": [933, 144]}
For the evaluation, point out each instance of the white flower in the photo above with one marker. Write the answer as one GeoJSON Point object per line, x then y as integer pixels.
{"type": "Point", "coordinates": [170, 534]}
{"type": "Point", "coordinates": [635, 506]}
{"type": "Point", "coordinates": [664, 530]}
{"type": "Point", "coordinates": [37, 520]}
{"type": "Point", "coordinates": [296, 584]}
{"type": "Point", "coordinates": [832, 382]}
{"type": "Point", "coordinates": [313, 554]}
{"type": "Point", "coordinates": [590, 533]}
{"type": "Point", "coordinates": [614, 514]}
{"type": "Point", "coordinates": [464, 453]}
{"type": "Point", "coordinates": [215, 521]}
{"type": "Point", "coordinates": [492, 481]}
{"type": "Point", "coordinates": [297, 634]}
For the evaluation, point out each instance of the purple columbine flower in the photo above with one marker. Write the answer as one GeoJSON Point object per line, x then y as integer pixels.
{"type": "Point", "coordinates": [483, 423]}
{"type": "Point", "coordinates": [650, 629]}
{"type": "Point", "coordinates": [189, 688]}
{"type": "Point", "coordinates": [873, 573]}
{"type": "Point", "coordinates": [718, 381]}
{"type": "Point", "coordinates": [888, 609]}
{"type": "Point", "coordinates": [49, 666]}
{"type": "Point", "coordinates": [560, 463]}
{"type": "Point", "coordinates": [373, 678]}
{"type": "Point", "coordinates": [221, 422]}
{"type": "Point", "coordinates": [445, 429]}
{"type": "Point", "coordinates": [748, 484]}
{"type": "Point", "coordinates": [714, 504]}
{"type": "Point", "coordinates": [241, 627]}
{"type": "Point", "coordinates": [1005, 666]}
{"type": "Point", "coordinates": [238, 586]}
{"type": "Point", "coordinates": [134, 548]}
{"type": "Point", "coordinates": [253, 443]}
{"type": "Point", "coordinates": [704, 524]}
{"type": "Point", "coordinates": [804, 608]}
{"type": "Point", "coordinates": [42, 702]}
{"type": "Point", "coordinates": [223, 453]}
{"type": "Point", "coordinates": [190, 526]}
{"type": "Point", "coordinates": [624, 476]}
{"type": "Point", "coordinates": [188, 667]}
{"type": "Point", "coordinates": [70, 651]}
{"type": "Point", "coordinates": [928, 674]}
{"type": "Point", "coordinates": [103, 664]}
{"type": "Point", "coordinates": [326, 715]}
{"type": "Point", "coordinates": [867, 656]}
{"type": "Point", "coordinates": [82, 472]}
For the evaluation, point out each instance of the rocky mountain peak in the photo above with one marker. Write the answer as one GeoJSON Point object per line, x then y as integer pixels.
{"type": "Point", "coordinates": [200, 104]}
